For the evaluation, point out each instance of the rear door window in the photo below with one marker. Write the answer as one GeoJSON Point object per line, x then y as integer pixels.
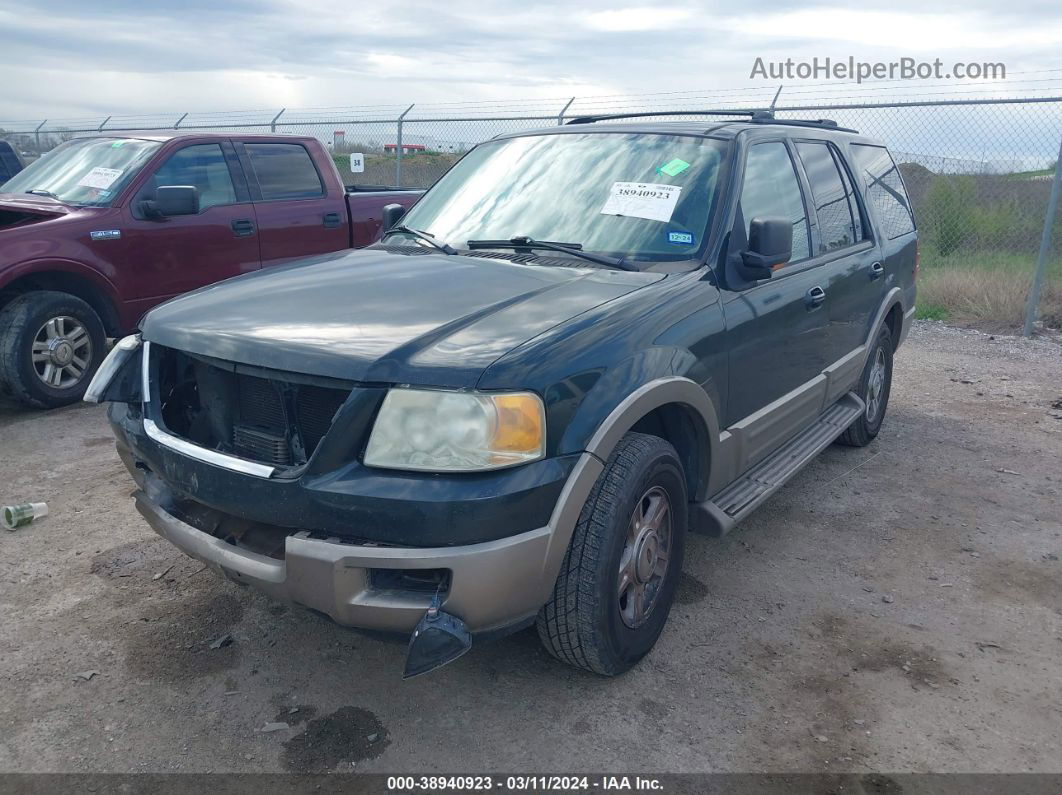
{"type": "Point", "coordinates": [839, 226]}
{"type": "Point", "coordinates": [885, 192]}
{"type": "Point", "coordinates": [771, 189]}
{"type": "Point", "coordinates": [285, 171]}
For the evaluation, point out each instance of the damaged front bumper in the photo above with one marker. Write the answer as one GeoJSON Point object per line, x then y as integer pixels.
{"type": "Point", "coordinates": [492, 585]}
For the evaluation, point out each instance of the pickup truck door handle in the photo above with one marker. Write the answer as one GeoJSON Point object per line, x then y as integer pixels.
{"type": "Point", "coordinates": [331, 220]}
{"type": "Point", "coordinates": [814, 297]}
{"type": "Point", "coordinates": [243, 227]}
{"type": "Point", "coordinates": [876, 270]}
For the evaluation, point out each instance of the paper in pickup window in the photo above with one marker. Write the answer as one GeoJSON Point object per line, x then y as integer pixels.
{"type": "Point", "coordinates": [99, 177]}
{"type": "Point", "coordinates": [642, 200]}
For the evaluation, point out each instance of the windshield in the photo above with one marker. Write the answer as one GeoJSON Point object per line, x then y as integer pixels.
{"type": "Point", "coordinates": [635, 196]}
{"type": "Point", "coordinates": [86, 172]}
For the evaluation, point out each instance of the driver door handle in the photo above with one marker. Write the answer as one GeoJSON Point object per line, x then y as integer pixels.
{"type": "Point", "coordinates": [814, 297]}
{"type": "Point", "coordinates": [876, 270]}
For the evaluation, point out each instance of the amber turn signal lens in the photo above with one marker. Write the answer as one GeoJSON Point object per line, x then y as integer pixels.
{"type": "Point", "coordinates": [520, 424]}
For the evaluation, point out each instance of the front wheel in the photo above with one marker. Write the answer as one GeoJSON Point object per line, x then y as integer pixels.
{"type": "Point", "coordinates": [50, 346]}
{"type": "Point", "coordinates": [874, 387]}
{"type": "Point", "coordinates": [617, 582]}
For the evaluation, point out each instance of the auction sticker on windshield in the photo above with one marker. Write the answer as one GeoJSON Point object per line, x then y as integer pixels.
{"type": "Point", "coordinates": [642, 200]}
{"type": "Point", "coordinates": [100, 177]}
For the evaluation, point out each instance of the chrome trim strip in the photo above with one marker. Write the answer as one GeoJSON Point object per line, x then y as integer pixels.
{"type": "Point", "coordinates": [145, 381]}
{"type": "Point", "coordinates": [202, 454]}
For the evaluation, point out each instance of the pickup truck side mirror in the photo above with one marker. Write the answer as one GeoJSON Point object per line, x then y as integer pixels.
{"type": "Point", "coordinates": [392, 214]}
{"type": "Point", "coordinates": [172, 200]}
{"type": "Point", "coordinates": [770, 244]}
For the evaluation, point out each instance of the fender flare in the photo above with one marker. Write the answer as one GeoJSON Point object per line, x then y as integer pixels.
{"type": "Point", "coordinates": [650, 396]}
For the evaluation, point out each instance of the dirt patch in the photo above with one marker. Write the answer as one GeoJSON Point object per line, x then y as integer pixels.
{"type": "Point", "coordinates": [690, 590]}
{"type": "Point", "coordinates": [172, 642]}
{"type": "Point", "coordinates": [348, 735]}
{"type": "Point", "coordinates": [136, 560]}
{"type": "Point", "coordinates": [1016, 581]}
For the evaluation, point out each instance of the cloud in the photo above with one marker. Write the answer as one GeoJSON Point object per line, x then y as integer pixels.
{"type": "Point", "coordinates": [73, 58]}
{"type": "Point", "coordinates": [647, 18]}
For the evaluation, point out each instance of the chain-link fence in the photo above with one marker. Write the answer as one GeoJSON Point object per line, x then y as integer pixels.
{"type": "Point", "coordinates": [979, 171]}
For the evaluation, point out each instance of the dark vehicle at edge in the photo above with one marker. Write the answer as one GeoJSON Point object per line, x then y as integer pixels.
{"type": "Point", "coordinates": [580, 344]}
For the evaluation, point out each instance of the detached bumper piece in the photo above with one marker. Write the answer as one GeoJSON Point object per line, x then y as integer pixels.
{"type": "Point", "coordinates": [439, 638]}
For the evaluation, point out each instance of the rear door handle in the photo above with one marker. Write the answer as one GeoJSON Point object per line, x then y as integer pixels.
{"type": "Point", "coordinates": [331, 220]}
{"type": "Point", "coordinates": [243, 227]}
{"type": "Point", "coordinates": [814, 297]}
{"type": "Point", "coordinates": [876, 270]}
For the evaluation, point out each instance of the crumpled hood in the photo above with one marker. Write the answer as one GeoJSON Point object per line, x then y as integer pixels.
{"type": "Point", "coordinates": [377, 316]}
{"type": "Point", "coordinates": [33, 205]}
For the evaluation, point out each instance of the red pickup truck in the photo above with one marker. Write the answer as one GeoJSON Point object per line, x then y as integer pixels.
{"type": "Point", "coordinates": [105, 227]}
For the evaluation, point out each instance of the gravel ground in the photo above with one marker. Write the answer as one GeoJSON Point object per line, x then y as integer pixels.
{"type": "Point", "coordinates": [893, 608]}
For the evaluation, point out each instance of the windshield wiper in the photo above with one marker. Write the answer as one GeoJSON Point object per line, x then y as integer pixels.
{"type": "Point", "coordinates": [41, 192]}
{"type": "Point", "coordinates": [427, 237]}
{"type": "Point", "coordinates": [575, 249]}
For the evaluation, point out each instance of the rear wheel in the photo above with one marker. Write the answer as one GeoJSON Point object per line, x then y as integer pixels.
{"type": "Point", "coordinates": [874, 388]}
{"type": "Point", "coordinates": [50, 346]}
{"type": "Point", "coordinates": [617, 582]}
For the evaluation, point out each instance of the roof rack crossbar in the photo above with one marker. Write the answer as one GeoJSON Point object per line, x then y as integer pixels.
{"type": "Point", "coordinates": [755, 116]}
{"type": "Point", "coordinates": [758, 114]}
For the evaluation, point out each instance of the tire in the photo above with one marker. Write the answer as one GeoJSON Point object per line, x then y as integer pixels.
{"type": "Point", "coordinates": [863, 431]}
{"type": "Point", "coordinates": [587, 621]}
{"type": "Point", "coordinates": [45, 328]}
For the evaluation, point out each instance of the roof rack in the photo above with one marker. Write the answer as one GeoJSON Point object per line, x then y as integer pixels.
{"type": "Point", "coordinates": [752, 114]}
{"type": "Point", "coordinates": [759, 116]}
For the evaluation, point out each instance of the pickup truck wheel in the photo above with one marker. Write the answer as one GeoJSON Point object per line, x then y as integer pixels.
{"type": "Point", "coordinates": [50, 346]}
{"type": "Point", "coordinates": [874, 387]}
{"type": "Point", "coordinates": [615, 588]}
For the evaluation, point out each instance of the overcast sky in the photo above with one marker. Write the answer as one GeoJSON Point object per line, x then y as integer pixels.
{"type": "Point", "coordinates": [70, 58]}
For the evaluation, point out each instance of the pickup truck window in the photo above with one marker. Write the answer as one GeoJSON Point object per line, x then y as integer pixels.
{"type": "Point", "coordinates": [202, 166]}
{"type": "Point", "coordinates": [637, 196]}
{"type": "Point", "coordinates": [838, 227]}
{"type": "Point", "coordinates": [771, 188]}
{"type": "Point", "coordinates": [285, 171]}
{"type": "Point", "coordinates": [885, 191]}
{"type": "Point", "coordinates": [87, 172]}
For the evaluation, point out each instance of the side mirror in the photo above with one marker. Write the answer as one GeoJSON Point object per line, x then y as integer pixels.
{"type": "Point", "coordinates": [176, 200]}
{"type": "Point", "coordinates": [392, 214]}
{"type": "Point", "coordinates": [770, 244]}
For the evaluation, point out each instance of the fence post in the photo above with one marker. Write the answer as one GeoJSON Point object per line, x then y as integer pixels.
{"type": "Point", "coordinates": [560, 116]}
{"type": "Point", "coordinates": [774, 101]}
{"type": "Point", "coordinates": [273, 124]}
{"type": "Point", "coordinates": [37, 136]}
{"type": "Point", "coordinates": [178, 123]}
{"type": "Point", "coordinates": [1045, 246]}
{"type": "Point", "coordinates": [398, 148]}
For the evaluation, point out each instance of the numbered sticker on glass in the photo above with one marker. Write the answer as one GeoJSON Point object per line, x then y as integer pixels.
{"type": "Point", "coordinates": [357, 162]}
{"type": "Point", "coordinates": [642, 200]}
{"type": "Point", "coordinates": [100, 178]}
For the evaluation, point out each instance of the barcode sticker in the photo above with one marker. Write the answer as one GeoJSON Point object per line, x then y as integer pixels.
{"type": "Point", "coordinates": [642, 200]}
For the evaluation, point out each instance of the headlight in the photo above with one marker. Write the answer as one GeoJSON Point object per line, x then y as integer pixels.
{"type": "Point", "coordinates": [118, 356]}
{"type": "Point", "coordinates": [439, 431]}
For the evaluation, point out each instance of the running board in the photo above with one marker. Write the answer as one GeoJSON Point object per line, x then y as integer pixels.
{"type": "Point", "coordinates": [717, 516]}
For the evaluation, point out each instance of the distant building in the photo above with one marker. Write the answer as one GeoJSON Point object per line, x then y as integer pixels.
{"type": "Point", "coordinates": [407, 149]}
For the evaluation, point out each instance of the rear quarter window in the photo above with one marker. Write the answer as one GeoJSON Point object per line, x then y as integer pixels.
{"type": "Point", "coordinates": [285, 171]}
{"type": "Point", "coordinates": [886, 196]}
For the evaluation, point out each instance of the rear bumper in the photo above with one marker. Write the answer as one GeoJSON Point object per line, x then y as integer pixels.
{"type": "Point", "coordinates": [492, 585]}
